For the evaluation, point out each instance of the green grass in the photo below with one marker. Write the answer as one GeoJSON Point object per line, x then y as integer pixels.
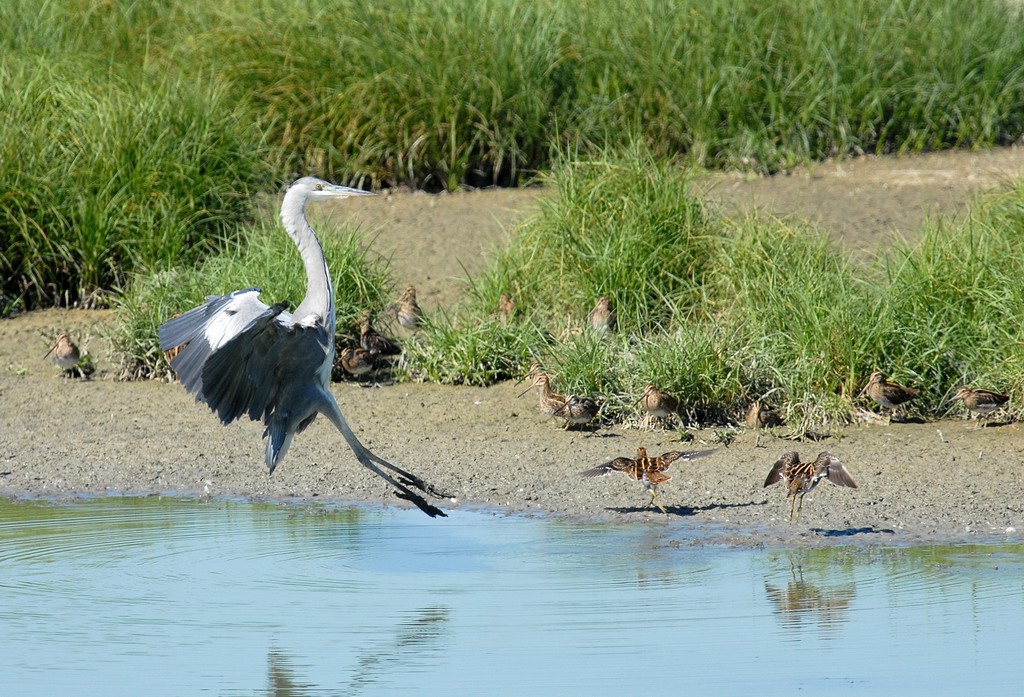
{"type": "Point", "coordinates": [772, 308]}
{"type": "Point", "coordinates": [136, 130]}
{"type": "Point", "coordinates": [99, 182]}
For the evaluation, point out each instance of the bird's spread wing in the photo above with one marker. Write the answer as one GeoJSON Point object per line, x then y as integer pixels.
{"type": "Point", "coordinates": [775, 475]}
{"type": "Point", "coordinates": [241, 354]}
{"type": "Point", "coordinates": [599, 471]}
{"type": "Point", "coordinates": [837, 474]}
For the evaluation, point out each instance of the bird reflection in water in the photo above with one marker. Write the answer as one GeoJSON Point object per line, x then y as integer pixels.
{"type": "Point", "coordinates": [801, 602]}
{"type": "Point", "coordinates": [413, 641]}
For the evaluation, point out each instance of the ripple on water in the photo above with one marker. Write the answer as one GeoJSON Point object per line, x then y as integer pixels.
{"type": "Point", "coordinates": [383, 597]}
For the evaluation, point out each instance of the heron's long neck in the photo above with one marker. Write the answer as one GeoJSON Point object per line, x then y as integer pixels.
{"type": "Point", "coordinates": [319, 298]}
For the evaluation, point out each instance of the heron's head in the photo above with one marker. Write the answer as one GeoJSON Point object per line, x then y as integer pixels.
{"type": "Point", "coordinates": [314, 189]}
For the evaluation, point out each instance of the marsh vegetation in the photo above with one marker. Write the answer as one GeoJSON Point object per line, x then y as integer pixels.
{"type": "Point", "coordinates": [140, 132]}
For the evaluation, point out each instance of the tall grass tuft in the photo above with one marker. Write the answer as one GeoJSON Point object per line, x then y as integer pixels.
{"type": "Point", "coordinates": [955, 300]}
{"type": "Point", "coordinates": [265, 258]}
{"type": "Point", "coordinates": [96, 183]}
{"type": "Point", "coordinates": [621, 226]}
{"type": "Point", "coordinates": [775, 310]}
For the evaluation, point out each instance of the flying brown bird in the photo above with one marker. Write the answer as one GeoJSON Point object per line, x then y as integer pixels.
{"type": "Point", "coordinates": [649, 470]}
{"type": "Point", "coordinates": [802, 477]}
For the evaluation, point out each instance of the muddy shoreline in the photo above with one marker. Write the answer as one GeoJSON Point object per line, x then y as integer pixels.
{"type": "Point", "coordinates": [920, 483]}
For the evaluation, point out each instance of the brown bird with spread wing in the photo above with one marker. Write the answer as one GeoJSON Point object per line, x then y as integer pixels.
{"type": "Point", "coordinates": [802, 477]}
{"type": "Point", "coordinates": [649, 470]}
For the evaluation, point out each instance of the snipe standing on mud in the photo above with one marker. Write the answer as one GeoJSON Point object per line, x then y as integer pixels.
{"type": "Point", "coordinates": [602, 317]}
{"type": "Point", "coordinates": [356, 361]}
{"type": "Point", "coordinates": [649, 470]}
{"type": "Point", "coordinates": [571, 408]}
{"type": "Point", "coordinates": [802, 477]}
{"type": "Point", "coordinates": [373, 341]}
{"type": "Point", "coordinates": [981, 402]}
{"type": "Point", "coordinates": [761, 416]}
{"type": "Point", "coordinates": [409, 312]}
{"type": "Point", "coordinates": [658, 406]}
{"type": "Point", "coordinates": [66, 356]}
{"type": "Point", "coordinates": [887, 394]}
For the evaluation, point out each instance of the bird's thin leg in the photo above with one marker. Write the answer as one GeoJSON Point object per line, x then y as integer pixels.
{"type": "Point", "coordinates": [800, 507]}
{"type": "Point", "coordinates": [792, 504]}
{"type": "Point", "coordinates": [366, 457]}
{"type": "Point", "coordinates": [654, 501]}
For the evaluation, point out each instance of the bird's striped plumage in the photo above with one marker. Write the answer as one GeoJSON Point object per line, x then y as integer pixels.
{"type": "Point", "coordinates": [801, 477]}
{"type": "Point", "coordinates": [648, 470]}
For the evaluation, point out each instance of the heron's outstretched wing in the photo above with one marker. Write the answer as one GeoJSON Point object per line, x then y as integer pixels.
{"type": "Point", "coordinates": [239, 353]}
{"type": "Point", "coordinates": [268, 358]}
{"type": "Point", "coordinates": [204, 329]}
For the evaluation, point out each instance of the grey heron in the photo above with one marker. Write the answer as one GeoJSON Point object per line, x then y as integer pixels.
{"type": "Point", "coordinates": [240, 356]}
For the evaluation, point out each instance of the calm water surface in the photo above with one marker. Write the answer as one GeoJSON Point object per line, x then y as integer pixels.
{"type": "Point", "coordinates": [172, 597]}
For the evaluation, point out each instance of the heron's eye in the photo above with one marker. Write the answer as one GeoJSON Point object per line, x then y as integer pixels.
{"type": "Point", "coordinates": [319, 187]}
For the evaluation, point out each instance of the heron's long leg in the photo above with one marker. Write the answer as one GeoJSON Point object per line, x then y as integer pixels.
{"type": "Point", "coordinates": [366, 457]}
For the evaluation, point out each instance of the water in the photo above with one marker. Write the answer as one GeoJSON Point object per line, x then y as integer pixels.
{"type": "Point", "coordinates": [171, 597]}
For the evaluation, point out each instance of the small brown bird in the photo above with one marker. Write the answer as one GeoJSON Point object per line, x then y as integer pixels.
{"type": "Point", "coordinates": [551, 402]}
{"type": "Point", "coordinates": [373, 341]}
{"type": "Point", "coordinates": [578, 410]}
{"type": "Point", "coordinates": [356, 361]}
{"type": "Point", "coordinates": [887, 394]}
{"type": "Point", "coordinates": [573, 409]}
{"type": "Point", "coordinates": [981, 402]}
{"type": "Point", "coordinates": [761, 416]}
{"type": "Point", "coordinates": [602, 317]}
{"type": "Point", "coordinates": [802, 477]}
{"type": "Point", "coordinates": [409, 312]}
{"type": "Point", "coordinates": [649, 470]}
{"type": "Point", "coordinates": [66, 356]}
{"type": "Point", "coordinates": [506, 308]}
{"type": "Point", "coordinates": [658, 405]}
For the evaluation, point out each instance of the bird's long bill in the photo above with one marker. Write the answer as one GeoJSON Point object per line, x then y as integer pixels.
{"type": "Point", "coordinates": [524, 391]}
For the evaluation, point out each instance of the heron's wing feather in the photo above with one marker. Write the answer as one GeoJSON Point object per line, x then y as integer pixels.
{"type": "Point", "coordinates": [206, 328]}
{"type": "Point", "coordinates": [190, 325]}
{"type": "Point", "coordinates": [246, 367]}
